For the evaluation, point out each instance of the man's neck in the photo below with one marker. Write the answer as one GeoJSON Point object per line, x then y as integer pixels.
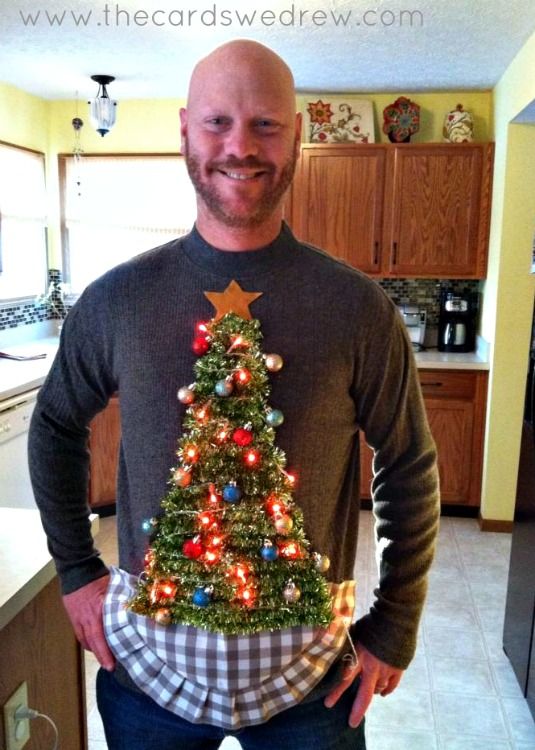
{"type": "Point", "coordinates": [238, 239]}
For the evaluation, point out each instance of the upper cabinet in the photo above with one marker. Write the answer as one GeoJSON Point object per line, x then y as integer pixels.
{"type": "Point", "coordinates": [419, 210]}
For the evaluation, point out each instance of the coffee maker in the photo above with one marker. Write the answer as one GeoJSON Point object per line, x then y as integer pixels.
{"type": "Point", "coordinates": [457, 321]}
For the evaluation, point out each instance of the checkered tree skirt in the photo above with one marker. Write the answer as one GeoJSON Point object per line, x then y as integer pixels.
{"type": "Point", "coordinates": [211, 678]}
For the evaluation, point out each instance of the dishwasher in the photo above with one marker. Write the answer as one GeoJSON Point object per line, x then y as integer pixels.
{"type": "Point", "coordinates": [15, 486]}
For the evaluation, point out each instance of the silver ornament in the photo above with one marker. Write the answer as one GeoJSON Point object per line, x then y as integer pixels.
{"type": "Point", "coordinates": [321, 562]}
{"type": "Point", "coordinates": [186, 395]}
{"type": "Point", "coordinates": [223, 388]}
{"type": "Point", "coordinates": [283, 524]}
{"type": "Point", "coordinates": [275, 418]}
{"type": "Point", "coordinates": [291, 593]}
{"type": "Point", "coordinates": [274, 362]}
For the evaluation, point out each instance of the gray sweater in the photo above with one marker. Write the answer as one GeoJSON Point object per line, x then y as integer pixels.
{"type": "Point", "coordinates": [348, 367]}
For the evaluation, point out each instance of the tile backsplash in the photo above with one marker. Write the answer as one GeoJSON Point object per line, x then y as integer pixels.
{"type": "Point", "coordinates": [31, 311]}
{"type": "Point", "coordinates": [425, 292]}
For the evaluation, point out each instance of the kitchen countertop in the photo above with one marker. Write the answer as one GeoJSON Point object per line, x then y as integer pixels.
{"type": "Point", "coordinates": [432, 359]}
{"type": "Point", "coordinates": [25, 563]}
{"type": "Point", "coordinates": [20, 376]}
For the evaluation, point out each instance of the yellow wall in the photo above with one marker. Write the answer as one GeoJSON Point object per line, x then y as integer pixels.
{"type": "Point", "coordinates": [509, 290]}
{"type": "Point", "coordinates": [23, 118]}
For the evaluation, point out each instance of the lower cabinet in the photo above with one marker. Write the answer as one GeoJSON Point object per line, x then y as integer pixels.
{"type": "Point", "coordinates": [104, 447]}
{"type": "Point", "coordinates": [455, 402]}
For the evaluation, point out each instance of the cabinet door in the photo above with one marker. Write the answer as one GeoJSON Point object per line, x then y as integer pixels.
{"type": "Point", "coordinates": [338, 201]}
{"type": "Point", "coordinates": [439, 207]}
{"type": "Point", "coordinates": [104, 448]}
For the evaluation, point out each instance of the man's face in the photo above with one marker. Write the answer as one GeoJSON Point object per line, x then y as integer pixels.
{"type": "Point", "coordinates": [241, 147]}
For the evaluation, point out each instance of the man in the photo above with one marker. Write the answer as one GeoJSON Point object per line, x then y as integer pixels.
{"type": "Point", "coordinates": [349, 365]}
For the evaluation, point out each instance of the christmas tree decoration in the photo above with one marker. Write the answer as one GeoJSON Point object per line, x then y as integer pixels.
{"type": "Point", "coordinates": [200, 345]}
{"type": "Point", "coordinates": [232, 300]}
{"type": "Point", "coordinates": [275, 418]}
{"type": "Point", "coordinates": [229, 572]}
{"type": "Point", "coordinates": [274, 362]}
{"type": "Point", "coordinates": [148, 525]}
{"type": "Point", "coordinates": [186, 395]}
{"type": "Point", "coordinates": [231, 537]}
{"type": "Point", "coordinates": [243, 437]}
{"type": "Point", "coordinates": [291, 593]}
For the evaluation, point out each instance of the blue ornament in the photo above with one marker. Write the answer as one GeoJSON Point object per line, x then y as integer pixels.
{"type": "Point", "coordinates": [275, 418]}
{"type": "Point", "coordinates": [269, 552]}
{"type": "Point", "coordinates": [202, 596]}
{"type": "Point", "coordinates": [231, 493]}
{"type": "Point", "coordinates": [223, 388]}
{"type": "Point", "coordinates": [148, 525]}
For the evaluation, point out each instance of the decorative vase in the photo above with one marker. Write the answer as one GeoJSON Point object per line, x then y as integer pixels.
{"type": "Point", "coordinates": [458, 126]}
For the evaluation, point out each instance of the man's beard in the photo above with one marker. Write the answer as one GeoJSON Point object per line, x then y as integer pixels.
{"type": "Point", "coordinates": [216, 204]}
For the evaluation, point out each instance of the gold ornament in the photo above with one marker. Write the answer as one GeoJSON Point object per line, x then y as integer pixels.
{"type": "Point", "coordinates": [321, 562]}
{"type": "Point", "coordinates": [291, 593]}
{"type": "Point", "coordinates": [233, 299]}
{"type": "Point", "coordinates": [283, 525]}
{"type": "Point", "coordinates": [274, 362]}
{"type": "Point", "coordinates": [163, 616]}
{"type": "Point", "coordinates": [182, 477]}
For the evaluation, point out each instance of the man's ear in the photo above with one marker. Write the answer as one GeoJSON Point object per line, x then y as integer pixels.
{"type": "Point", "coordinates": [183, 125]}
{"type": "Point", "coordinates": [298, 127]}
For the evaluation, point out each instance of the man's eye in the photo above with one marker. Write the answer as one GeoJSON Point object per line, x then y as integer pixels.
{"type": "Point", "coordinates": [216, 121]}
{"type": "Point", "coordinates": [266, 124]}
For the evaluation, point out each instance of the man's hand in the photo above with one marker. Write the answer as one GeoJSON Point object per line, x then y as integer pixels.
{"type": "Point", "coordinates": [84, 607]}
{"type": "Point", "coordinates": [376, 677]}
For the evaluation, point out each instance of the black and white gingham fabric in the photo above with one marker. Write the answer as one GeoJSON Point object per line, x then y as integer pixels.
{"type": "Point", "coordinates": [210, 678]}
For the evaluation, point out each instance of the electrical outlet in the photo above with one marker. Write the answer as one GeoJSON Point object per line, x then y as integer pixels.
{"type": "Point", "coordinates": [17, 731]}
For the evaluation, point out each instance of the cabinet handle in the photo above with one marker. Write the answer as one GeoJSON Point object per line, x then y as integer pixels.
{"type": "Point", "coordinates": [394, 253]}
{"type": "Point", "coordinates": [437, 384]}
{"type": "Point", "coordinates": [375, 253]}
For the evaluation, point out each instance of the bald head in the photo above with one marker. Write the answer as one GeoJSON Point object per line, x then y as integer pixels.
{"type": "Point", "coordinates": [243, 63]}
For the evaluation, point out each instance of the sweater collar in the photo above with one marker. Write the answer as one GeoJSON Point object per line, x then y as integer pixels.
{"type": "Point", "coordinates": [272, 257]}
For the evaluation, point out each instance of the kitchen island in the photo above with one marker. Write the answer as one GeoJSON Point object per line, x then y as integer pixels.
{"type": "Point", "coordinates": [37, 644]}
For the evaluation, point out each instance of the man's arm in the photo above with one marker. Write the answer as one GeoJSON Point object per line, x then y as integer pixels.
{"type": "Point", "coordinates": [406, 507]}
{"type": "Point", "coordinates": [78, 386]}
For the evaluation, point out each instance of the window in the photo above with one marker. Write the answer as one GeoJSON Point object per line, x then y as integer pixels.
{"type": "Point", "coordinates": [23, 254]}
{"type": "Point", "coordinates": [115, 207]}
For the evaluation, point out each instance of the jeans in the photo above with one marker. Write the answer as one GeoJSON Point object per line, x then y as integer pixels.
{"type": "Point", "coordinates": [133, 721]}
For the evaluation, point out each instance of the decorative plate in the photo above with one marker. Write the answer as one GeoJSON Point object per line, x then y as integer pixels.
{"type": "Point", "coordinates": [337, 119]}
{"type": "Point", "coordinates": [401, 120]}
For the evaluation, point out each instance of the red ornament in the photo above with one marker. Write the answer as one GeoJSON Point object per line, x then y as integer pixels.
{"type": "Point", "coordinates": [242, 376]}
{"type": "Point", "coordinates": [182, 477]}
{"type": "Point", "coordinates": [200, 345]}
{"type": "Point", "coordinates": [289, 550]}
{"type": "Point", "coordinates": [242, 437]}
{"type": "Point", "coordinates": [252, 458]}
{"type": "Point", "coordinates": [192, 548]}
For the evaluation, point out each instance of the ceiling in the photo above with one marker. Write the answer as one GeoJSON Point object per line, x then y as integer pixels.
{"type": "Point", "coordinates": [453, 44]}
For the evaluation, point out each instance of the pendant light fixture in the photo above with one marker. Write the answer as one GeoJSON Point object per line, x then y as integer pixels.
{"type": "Point", "coordinates": [102, 108]}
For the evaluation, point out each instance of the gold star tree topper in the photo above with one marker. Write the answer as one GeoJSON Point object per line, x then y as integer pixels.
{"type": "Point", "coordinates": [233, 299]}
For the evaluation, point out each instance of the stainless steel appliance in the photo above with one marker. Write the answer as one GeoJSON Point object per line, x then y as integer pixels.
{"type": "Point", "coordinates": [457, 321]}
{"type": "Point", "coordinates": [15, 487]}
{"type": "Point", "coordinates": [415, 318]}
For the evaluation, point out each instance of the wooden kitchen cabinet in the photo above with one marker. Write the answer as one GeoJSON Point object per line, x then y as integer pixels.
{"type": "Point", "coordinates": [410, 210]}
{"type": "Point", "coordinates": [104, 448]}
{"type": "Point", "coordinates": [455, 402]}
{"type": "Point", "coordinates": [338, 202]}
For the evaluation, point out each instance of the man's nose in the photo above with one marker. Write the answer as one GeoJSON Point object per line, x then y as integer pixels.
{"type": "Point", "coordinates": [241, 142]}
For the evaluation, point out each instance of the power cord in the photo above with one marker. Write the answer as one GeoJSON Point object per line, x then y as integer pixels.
{"type": "Point", "coordinates": [23, 712]}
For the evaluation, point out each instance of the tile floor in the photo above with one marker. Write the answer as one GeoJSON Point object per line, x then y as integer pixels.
{"type": "Point", "coordinates": [460, 692]}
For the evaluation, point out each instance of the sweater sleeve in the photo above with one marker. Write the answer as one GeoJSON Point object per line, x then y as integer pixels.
{"type": "Point", "coordinates": [79, 385]}
{"type": "Point", "coordinates": [405, 488]}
